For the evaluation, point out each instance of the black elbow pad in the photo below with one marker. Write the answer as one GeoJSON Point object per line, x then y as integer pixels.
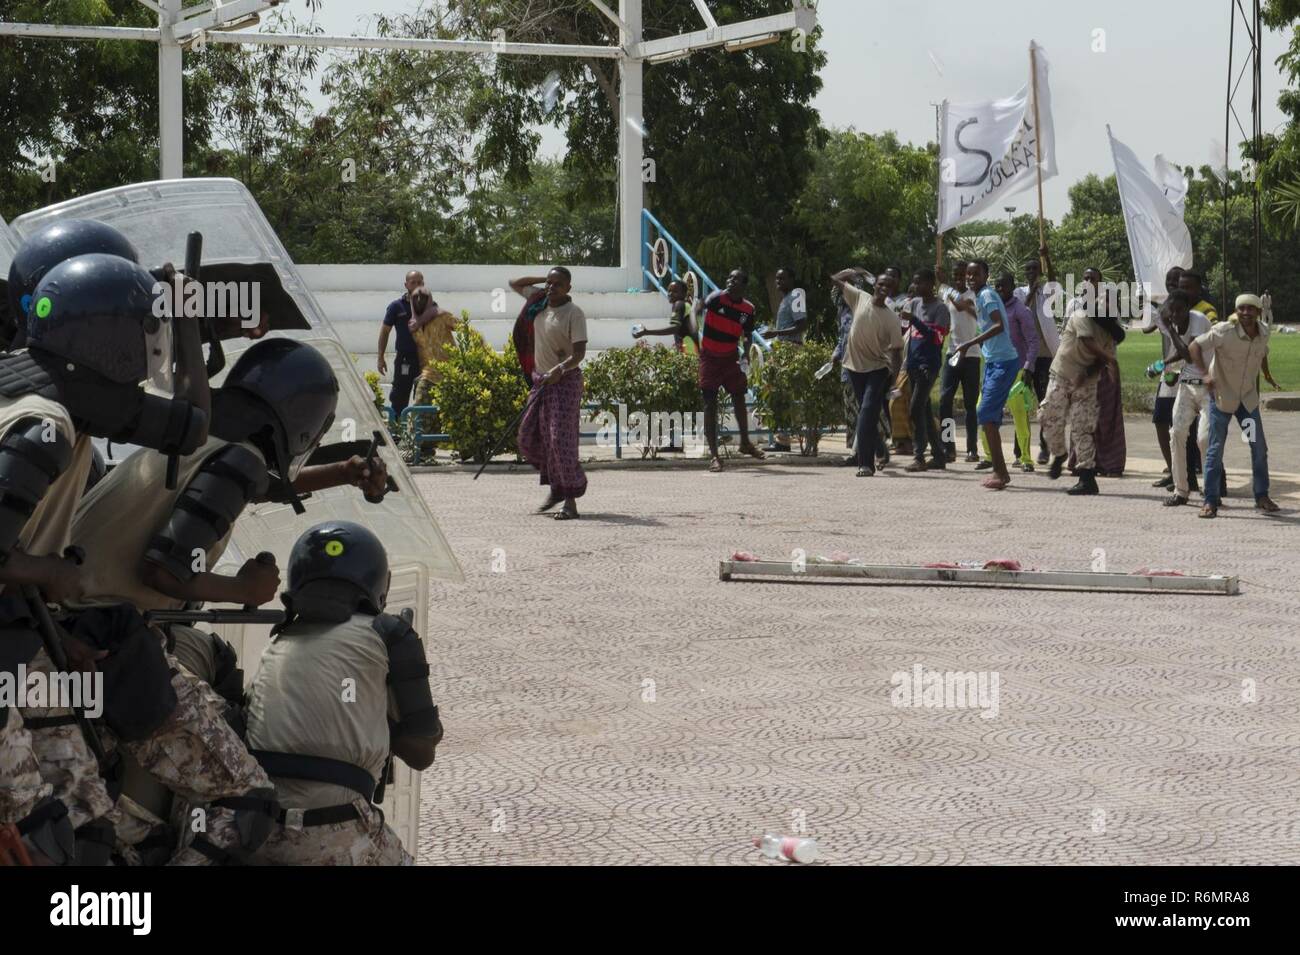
{"type": "Point", "coordinates": [33, 453]}
{"type": "Point", "coordinates": [408, 675]}
{"type": "Point", "coordinates": [207, 508]}
{"type": "Point", "coordinates": [171, 426]}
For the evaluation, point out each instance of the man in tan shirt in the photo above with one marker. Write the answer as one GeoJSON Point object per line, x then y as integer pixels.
{"type": "Point", "coordinates": [1234, 353]}
{"type": "Point", "coordinates": [873, 353]}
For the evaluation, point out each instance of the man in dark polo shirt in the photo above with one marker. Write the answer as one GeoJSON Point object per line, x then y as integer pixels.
{"type": "Point", "coordinates": [728, 316]}
{"type": "Point", "coordinates": [406, 366]}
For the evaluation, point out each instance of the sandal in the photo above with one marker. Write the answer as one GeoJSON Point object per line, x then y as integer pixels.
{"type": "Point", "coordinates": [1209, 510]}
{"type": "Point", "coordinates": [994, 483]}
{"type": "Point", "coordinates": [753, 451]}
{"type": "Point", "coordinates": [715, 465]}
{"type": "Point", "coordinates": [866, 472]}
{"type": "Point", "coordinates": [567, 514]}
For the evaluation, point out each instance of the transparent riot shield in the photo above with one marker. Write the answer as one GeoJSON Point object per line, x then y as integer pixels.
{"type": "Point", "coordinates": [157, 217]}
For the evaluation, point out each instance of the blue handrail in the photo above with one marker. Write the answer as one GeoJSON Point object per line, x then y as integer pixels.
{"type": "Point", "coordinates": [706, 284]}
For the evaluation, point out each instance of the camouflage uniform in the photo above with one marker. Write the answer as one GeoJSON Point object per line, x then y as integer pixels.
{"type": "Point", "coordinates": [1077, 405]}
{"type": "Point", "coordinates": [197, 756]}
{"type": "Point", "coordinates": [365, 841]}
{"type": "Point", "coordinates": [66, 761]}
{"type": "Point", "coordinates": [21, 785]}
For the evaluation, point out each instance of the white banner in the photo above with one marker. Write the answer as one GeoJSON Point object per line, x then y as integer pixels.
{"type": "Point", "coordinates": [1172, 181]}
{"type": "Point", "coordinates": [988, 151]}
{"type": "Point", "coordinates": [1157, 236]}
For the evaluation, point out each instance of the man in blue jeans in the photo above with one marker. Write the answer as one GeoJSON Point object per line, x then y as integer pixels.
{"type": "Point", "coordinates": [1234, 353]}
{"type": "Point", "coordinates": [1001, 363]}
{"type": "Point", "coordinates": [406, 364]}
{"type": "Point", "coordinates": [873, 355]}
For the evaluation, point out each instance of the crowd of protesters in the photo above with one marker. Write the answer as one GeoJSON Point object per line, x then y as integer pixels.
{"type": "Point", "coordinates": [1008, 346]}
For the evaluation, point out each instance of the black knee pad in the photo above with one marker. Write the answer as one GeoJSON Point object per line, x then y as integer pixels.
{"type": "Point", "coordinates": [95, 842]}
{"type": "Point", "coordinates": [256, 815]}
{"type": "Point", "coordinates": [48, 829]}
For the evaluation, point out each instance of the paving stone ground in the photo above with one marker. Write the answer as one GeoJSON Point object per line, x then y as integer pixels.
{"type": "Point", "coordinates": [608, 700]}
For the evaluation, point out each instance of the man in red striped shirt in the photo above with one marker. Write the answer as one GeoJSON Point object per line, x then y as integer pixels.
{"type": "Point", "coordinates": [728, 318]}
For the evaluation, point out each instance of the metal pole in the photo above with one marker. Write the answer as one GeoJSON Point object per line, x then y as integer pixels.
{"type": "Point", "coordinates": [938, 160]}
{"type": "Point", "coordinates": [1256, 103]}
{"type": "Point", "coordinates": [1227, 133]}
{"type": "Point", "coordinates": [171, 158]}
{"type": "Point", "coordinates": [631, 149]}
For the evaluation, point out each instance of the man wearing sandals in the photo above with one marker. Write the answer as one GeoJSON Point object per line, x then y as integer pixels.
{"type": "Point", "coordinates": [728, 317]}
{"type": "Point", "coordinates": [1234, 354]}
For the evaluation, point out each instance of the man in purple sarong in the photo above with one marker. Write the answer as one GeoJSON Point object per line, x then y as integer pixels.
{"type": "Point", "coordinates": [548, 432]}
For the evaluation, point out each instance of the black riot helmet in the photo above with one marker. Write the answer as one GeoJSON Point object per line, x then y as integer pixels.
{"type": "Point", "coordinates": [100, 313]}
{"type": "Point", "coordinates": [344, 560]}
{"type": "Point", "coordinates": [280, 396]}
{"type": "Point", "coordinates": [51, 245]}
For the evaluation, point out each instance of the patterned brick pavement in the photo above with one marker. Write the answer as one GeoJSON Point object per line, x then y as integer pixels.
{"type": "Point", "coordinates": [1123, 732]}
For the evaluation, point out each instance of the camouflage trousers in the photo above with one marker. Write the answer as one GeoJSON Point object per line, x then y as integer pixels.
{"type": "Point", "coordinates": [66, 762]}
{"type": "Point", "coordinates": [21, 785]}
{"type": "Point", "coordinates": [199, 757]}
{"type": "Point", "coordinates": [1065, 404]}
{"type": "Point", "coordinates": [365, 841]}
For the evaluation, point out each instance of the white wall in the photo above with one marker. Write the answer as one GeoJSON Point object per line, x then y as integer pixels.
{"type": "Point", "coordinates": [354, 298]}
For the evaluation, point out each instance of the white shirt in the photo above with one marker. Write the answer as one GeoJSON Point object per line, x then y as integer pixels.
{"type": "Point", "coordinates": [1197, 325]}
{"type": "Point", "coordinates": [964, 326]}
{"type": "Point", "coordinates": [1049, 336]}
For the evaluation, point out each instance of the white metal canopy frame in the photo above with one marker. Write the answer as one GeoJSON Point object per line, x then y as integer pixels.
{"type": "Point", "coordinates": [215, 22]}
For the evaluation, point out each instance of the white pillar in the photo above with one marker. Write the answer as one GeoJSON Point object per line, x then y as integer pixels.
{"type": "Point", "coordinates": [631, 149]}
{"type": "Point", "coordinates": [170, 115]}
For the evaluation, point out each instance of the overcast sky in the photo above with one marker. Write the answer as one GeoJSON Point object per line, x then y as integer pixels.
{"type": "Point", "coordinates": [1160, 83]}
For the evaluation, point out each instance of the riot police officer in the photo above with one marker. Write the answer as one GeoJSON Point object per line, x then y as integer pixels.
{"type": "Point", "coordinates": [342, 689]}
{"type": "Point", "coordinates": [91, 325]}
{"type": "Point", "coordinates": [154, 549]}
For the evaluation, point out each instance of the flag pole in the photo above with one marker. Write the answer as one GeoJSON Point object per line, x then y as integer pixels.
{"type": "Point", "coordinates": [938, 233]}
{"type": "Point", "coordinates": [1038, 151]}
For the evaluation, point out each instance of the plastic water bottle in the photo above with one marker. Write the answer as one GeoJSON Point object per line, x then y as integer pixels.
{"type": "Point", "coordinates": [787, 847]}
{"type": "Point", "coordinates": [824, 370]}
{"type": "Point", "coordinates": [637, 329]}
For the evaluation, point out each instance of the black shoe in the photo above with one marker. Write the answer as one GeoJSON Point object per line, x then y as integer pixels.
{"type": "Point", "coordinates": [952, 455]}
{"type": "Point", "coordinates": [1193, 486]}
{"type": "Point", "coordinates": [918, 464]}
{"type": "Point", "coordinates": [1175, 500]}
{"type": "Point", "coordinates": [1042, 457]}
{"type": "Point", "coordinates": [1054, 472]}
{"type": "Point", "coordinates": [849, 461]}
{"type": "Point", "coordinates": [937, 464]}
{"type": "Point", "coordinates": [984, 466]}
{"type": "Point", "coordinates": [866, 472]}
{"type": "Point", "coordinates": [972, 457]}
{"type": "Point", "coordinates": [1087, 483]}
{"type": "Point", "coordinates": [1164, 482]}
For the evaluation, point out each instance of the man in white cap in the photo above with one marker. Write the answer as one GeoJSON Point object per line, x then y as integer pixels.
{"type": "Point", "coordinates": [1234, 353]}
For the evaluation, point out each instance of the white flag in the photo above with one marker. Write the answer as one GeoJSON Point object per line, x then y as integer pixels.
{"type": "Point", "coordinates": [1157, 236]}
{"type": "Point", "coordinates": [1173, 182]}
{"type": "Point", "coordinates": [988, 151]}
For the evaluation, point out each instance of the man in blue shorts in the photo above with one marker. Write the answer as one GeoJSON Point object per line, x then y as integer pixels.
{"type": "Point", "coordinates": [1001, 363]}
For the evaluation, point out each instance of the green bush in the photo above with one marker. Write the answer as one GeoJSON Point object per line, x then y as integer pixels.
{"type": "Point", "coordinates": [478, 394]}
{"type": "Point", "coordinates": [645, 378]}
{"type": "Point", "coordinates": [372, 379]}
{"type": "Point", "coordinates": [791, 396]}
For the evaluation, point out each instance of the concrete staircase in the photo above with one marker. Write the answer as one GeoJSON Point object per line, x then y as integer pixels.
{"type": "Point", "coordinates": [354, 298]}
